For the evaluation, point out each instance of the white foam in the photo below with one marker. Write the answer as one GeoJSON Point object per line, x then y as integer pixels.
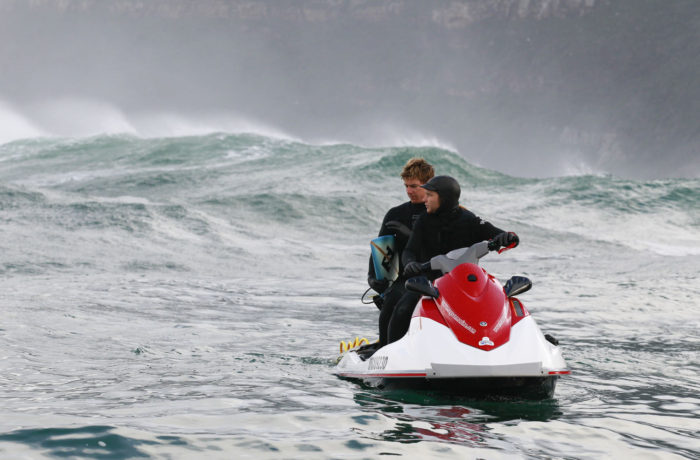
{"type": "Point", "coordinates": [164, 124]}
{"type": "Point", "coordinates": [78, 117]}
{"type": "Point", "coordinates": [578, 167]}
{"type": "Point", "coordinates": [383, 134]}
{"type": "Point", "coordinates": [81, 117]}
{"type": "Point", "coordinates": [667, 234]}
{"type": "Point", "coordinates": [14, 126]}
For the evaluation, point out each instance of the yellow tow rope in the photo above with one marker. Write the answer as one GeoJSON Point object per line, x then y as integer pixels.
{"type": "Point", "coordinates": [352, 344]}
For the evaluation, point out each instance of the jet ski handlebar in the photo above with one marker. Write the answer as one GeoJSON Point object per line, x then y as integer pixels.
{"type": "Point", "coordinates": [447, 262]}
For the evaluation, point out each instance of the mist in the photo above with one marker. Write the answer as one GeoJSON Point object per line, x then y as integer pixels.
{"type": "Point", "coordinates": [525, 87]}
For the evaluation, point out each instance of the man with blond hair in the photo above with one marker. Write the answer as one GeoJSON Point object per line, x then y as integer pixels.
{"type": "Point", "coordinates": [399, 221]}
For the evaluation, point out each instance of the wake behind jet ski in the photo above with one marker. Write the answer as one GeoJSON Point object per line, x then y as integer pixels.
{"type": "Point", "coordinates": [468, 335]}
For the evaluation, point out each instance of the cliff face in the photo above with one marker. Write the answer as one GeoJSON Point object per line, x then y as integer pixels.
{"type": "Point", "coordinates": [609, 84]}
{"type": "Point", "coordinates": [450, 13]}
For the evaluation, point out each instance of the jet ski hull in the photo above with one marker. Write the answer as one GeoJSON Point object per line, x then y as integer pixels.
{"type": "Point", "coordinates": [524, 367]}
{"type": "Point", "coordinates": [477, 387]}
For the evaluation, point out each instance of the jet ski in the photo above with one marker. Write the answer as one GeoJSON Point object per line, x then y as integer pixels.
{"type": "Point", "coordinates": [468, 335]}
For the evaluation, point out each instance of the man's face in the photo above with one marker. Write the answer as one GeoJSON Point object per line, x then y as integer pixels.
{"type": "Point", "coordinates": [414, 190]}
{"type": "Point", "coordinates": [432, 201]}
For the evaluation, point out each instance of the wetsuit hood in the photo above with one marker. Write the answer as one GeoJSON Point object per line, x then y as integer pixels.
{"type": "Point", "coordinates": [447, 189]}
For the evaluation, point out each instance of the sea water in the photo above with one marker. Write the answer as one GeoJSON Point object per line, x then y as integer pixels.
{"type": "Point", "coordinates": [185, 297]}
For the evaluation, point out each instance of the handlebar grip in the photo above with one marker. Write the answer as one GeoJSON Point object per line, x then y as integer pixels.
{"type": "Point", "coordinates": [425, 267]}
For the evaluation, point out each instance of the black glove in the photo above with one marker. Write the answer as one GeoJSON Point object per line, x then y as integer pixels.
{"type": "Point", "coordinates": [412, 269]}
{"type": "Point", "coordinates": [378, 285]}
{"type": "Point", "coordinates": [398, 228]}
{"type": "Point", "coordinates": [504, 239]}
{"type": "Point", "coordinates": [513, 239]}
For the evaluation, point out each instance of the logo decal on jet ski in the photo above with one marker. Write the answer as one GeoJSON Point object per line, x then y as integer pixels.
{"type": "Point", "coordinates": [485, 341]}
{"type": "Point", "coordinates": [377, 363]}
{"type": "Point", "coordinates": [501, 320]}
{"type": "Point", "coordinates": [456, 317]}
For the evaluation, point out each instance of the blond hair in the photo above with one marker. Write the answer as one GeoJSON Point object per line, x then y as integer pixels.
{"type": "Point", "coordinates": [418, 168]}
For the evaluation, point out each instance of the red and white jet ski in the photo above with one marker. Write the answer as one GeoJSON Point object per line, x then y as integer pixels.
{"type": "Point", "coordinates": [468, 335]}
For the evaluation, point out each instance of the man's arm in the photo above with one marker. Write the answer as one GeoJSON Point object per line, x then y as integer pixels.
{"type": "Point", "coordinates": [412, 251]}
{"type": "Point", "coordinates": [488, 231]}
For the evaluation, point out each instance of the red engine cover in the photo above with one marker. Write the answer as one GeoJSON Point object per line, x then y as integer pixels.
{"type": "Point", "coordinates": [474, 306]}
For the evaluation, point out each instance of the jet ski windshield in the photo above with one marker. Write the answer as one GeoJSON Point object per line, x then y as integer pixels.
{"type": "Point", "coordinates": [471, 255]}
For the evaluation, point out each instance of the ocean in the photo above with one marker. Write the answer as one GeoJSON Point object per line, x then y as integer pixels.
{"type": "Point", "coordinates": [185, 297]}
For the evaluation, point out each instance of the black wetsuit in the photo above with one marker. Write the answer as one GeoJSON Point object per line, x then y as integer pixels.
{"type": "Point", "coordinates": [406, 213]}
{"type": "Point", "coordinates": [440, 233]}
{"type": "Point", "coordinates": [435, 234]}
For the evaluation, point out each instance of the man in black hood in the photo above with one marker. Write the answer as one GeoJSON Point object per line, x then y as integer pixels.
{"type": "Point", "coordinates": [446, 226]}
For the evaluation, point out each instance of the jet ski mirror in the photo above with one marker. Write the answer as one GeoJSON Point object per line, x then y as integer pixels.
{"type": "Point", "coordinates": [421, 285]}
{"type": "Point", "coordinates": [517, 285]}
